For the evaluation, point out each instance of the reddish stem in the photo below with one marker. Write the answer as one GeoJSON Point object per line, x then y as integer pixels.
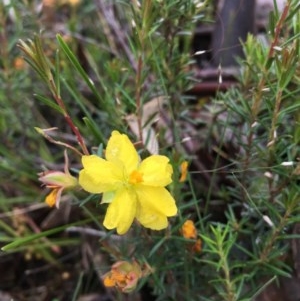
{"type": "Point", "coordinates": [73, 127]}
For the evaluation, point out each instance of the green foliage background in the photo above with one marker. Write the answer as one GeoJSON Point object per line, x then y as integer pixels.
{"type": "Point", "coordinates": [245, 202]}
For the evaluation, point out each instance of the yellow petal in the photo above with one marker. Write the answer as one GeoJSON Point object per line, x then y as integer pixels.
{"type": "Point", "coordinates": [121, 151]}
{"type": "Point", "coordinates": [121, 211]}
{"type": "Point", "coordinates": [152, 220]}
{"type": "Point", "coordinates": [154, 205]}
{"type": "Point", "coordinates": [99, 175]}
{"type": "Point", "coordinates": [156, 171]}
{"type": "Point", "coordinates": [53, 197]}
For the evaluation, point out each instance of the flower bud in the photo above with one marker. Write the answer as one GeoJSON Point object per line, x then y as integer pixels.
{"type": "Point", "coordinates": [189, 231]}
{"type": "Point", "coordinates": [124, 276]}
{"type": "Point", "coordinates": [57, 181]}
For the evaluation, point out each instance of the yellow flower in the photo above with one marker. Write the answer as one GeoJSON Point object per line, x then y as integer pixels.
{"type": "Point", "coordinates": [132, 188]}
{"type": "Point", "coordinates": [57, 181]}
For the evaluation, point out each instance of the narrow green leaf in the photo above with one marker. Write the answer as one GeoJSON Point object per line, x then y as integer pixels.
{"type": "Point", "coordinates": [94, 130]}
{"type": "Point", "coordinates": [21, 241]}
{"type": "Point", "coordinates": [278, 271]}
{"type": "Point", "coordinates": [269, 63]}
{"type": "Point", "coordinates": [41, 58]}
{"type": "Point", "coordinates": [286, 77]}
{"type": "Point", "coordinates": [75, 94]}
{"type": "Point", "coordinates": [57, 72]}
{"type": "Point", "coordinates": [292, 13]}
{"type": "Point", "coordinates": [78, 287]}
{"type": "Point", "coordinates": [291, 39]}
{"type": "Point", "coordinates": [36, 69]}
{"type": "Point", "coordinates": [263, 287]}
{"type": "Point", "coordinates": [7, 228]}
{"type": "Point", "coordinates": [156, 247]}
{"type": "Point", "coordinates": [49, 103]}
{"type": "Point", "coordinates": [68, 52]}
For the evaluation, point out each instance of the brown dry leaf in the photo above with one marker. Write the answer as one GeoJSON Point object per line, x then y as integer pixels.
{"type": "Point", "coordinates": [296, 172]}
{"type": "Point", "coordinates": [150, 115]}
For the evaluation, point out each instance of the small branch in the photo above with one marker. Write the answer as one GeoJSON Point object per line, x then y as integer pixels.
{"type": "Point", "coordinates": [50, 139]}
{"type": "Point", "coordinates": [117, 31]}
{"type": "Point", "coordinates": [93, 232]}
{"type": "Point", "coordinates": [139, 108]}
{"type": "Point", "coordinates": [274, 236]}
{"type": "Point", "coordinates": [258, 94]}
{"type": "Point", "coordinates": [68, 119]}
{"type": "Point", "coordinates": [272, 137]}
{"type": "Point", "coordinates": [257, 97]}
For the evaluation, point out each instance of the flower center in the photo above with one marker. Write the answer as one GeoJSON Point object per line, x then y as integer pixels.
{"type": "Point", "coordinates": [135, 177]}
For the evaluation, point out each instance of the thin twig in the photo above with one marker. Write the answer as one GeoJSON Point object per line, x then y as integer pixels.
{"type": "Point", "coordinates": [278, 28]}
{"type": "Point", "coordinates": [93, 232]}
{"type": "Point", "coordinates": [68, 119]}
{"type": "Point", "coordinates": [117, 30]}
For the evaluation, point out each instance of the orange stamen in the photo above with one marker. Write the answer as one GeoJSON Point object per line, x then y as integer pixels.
{"type": "Point", "coordinates": [51, 198]}
{"type": "Point", "coordinates": [135, 177]}
{"type": "Point", "coordinates": [109, 282]}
